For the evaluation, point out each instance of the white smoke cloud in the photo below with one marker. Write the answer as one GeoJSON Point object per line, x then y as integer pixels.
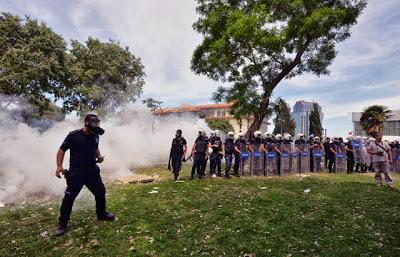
{"type": "Point", "coordinates": [27, 157]}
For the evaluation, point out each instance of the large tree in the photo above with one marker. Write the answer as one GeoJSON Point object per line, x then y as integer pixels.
{"type": "Point", "coordinates": [31, 63]}
{"type": "Point", "coordinates": [36, 67]}
{"type": "Point", "coordinates": [315, 122]}
{"type": "Point", "coordinates": [255, 44]}
{"type": "Point", "coordinates": [101, 76]}
{"type": "Point", "coordinates": [283, 121]}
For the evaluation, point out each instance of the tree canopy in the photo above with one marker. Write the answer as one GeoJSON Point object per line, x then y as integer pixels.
{"type": "Point", "coordinates": [315, 122]}
{"type": "Point", "coordinates": [283, 121]}
{"type": "Point", "coordinates": [254, 44]}
{"type": "Point", "coordinates": [36, 65]}
{"type": "Point", "coordinates": [372, 118]}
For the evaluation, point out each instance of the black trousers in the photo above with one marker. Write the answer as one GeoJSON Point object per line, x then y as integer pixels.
{"type": "Point", "coordinates": [331, 163]}
{"type": "Point", "coordinates": [176, 161]}
{"type": "Point", "coordinates": [215, 164]}
{"type": "Point", "coordinates": [350, 165]}
{"type": "Point", "coordinates": [326, 161]}
{"type": "Point", "coordinates": [237, 163]}
{"type": "Point", "coordinates": [199, 164]}
{"type": "Point", "coordinates": [76, 179]}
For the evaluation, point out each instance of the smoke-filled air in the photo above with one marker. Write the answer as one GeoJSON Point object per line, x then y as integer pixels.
{"type": "Point", "coordinates": [133, 138]}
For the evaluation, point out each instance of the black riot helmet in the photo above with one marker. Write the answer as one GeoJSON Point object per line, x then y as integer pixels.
{"type": "Point", "coordinates": [92, 122]}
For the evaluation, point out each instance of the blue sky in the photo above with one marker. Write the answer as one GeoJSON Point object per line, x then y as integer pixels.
{"type": "Point", "coordinates": [365, 72]}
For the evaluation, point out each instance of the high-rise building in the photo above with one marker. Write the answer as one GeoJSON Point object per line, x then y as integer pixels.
{"type": "Point", "coordinates": [301, 115]}
{"type": "Point", "coordinates": [391, 127]}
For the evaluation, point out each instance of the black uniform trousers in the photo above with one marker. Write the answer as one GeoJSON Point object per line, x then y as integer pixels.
{"type": "Point", "coordinates": [236, 166]}
{"type": "Point", "coordinates": [199, 164]}
{"type": "Point", "coordinates": [76, 179]}
{"type": "Point", "coordinates": [176, 160]}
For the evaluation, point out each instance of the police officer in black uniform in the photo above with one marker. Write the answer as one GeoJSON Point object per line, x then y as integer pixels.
{"type": "Point", "coordinates": [177, 153]}
{"type": "Point", "coordinates": [229, 149]}
{"type": "Point", "coordinates": [216, 155]}
{"type": "Point", "coordinates": [350, 155]}
{"type": "Point", "coordinates": [240, 145]}
{"type": "Point", "coordinates": [327, 149]}
{"type": "Point", "coordinates": [200, 154]}
{"type": "Point", "coordinates": [83, 171]}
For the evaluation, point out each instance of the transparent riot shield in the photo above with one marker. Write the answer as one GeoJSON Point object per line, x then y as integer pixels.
{"type": "Point", "coordinates": [285, 159]}
{"type": "Point", "coordinates": [340, 159]}
{"type": "Point", "coordinates": [257, 165]}
{"type": "Point", "coordinates": [294, 162]}
{"type": "Point", "coordinates": [396, 159]}
{"type": "Point", "coordinates": [304, 149]}
{"type": "Point", "coordinates": [366, 155]}
{"type": "Point", "coordinates": [271, 163]}
{"type": "Point", "coordinates": [245, 163]}
{"type": "Point", "coordinates": [318, 158]}
{"type": "Point", "coordinates": [358, 150]}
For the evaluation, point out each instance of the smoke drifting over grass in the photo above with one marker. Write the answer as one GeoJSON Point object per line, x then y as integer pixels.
{"type": "Point", "coordinates": [27, 157]}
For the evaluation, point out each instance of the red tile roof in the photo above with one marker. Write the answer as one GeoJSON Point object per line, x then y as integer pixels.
{"type": "Point", "coordinates": [192, 108]}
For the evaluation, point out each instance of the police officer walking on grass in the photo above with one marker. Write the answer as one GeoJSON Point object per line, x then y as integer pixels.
{"type": "Point", "coordinates": [83, 171]}
{"type": "Point", "coordinates": [177, 153]}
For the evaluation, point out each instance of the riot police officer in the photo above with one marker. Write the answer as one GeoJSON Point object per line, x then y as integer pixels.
{"type": "Point", "coordinates": [200, 154]}
{"type": "Point", "coordinates": [83, 171]}
{"type": "Point", "coordinates": [241, 146]}
{"type": "Point", "coordinates": [215, 157]}
{"type": "Point", "coordinates": [350, 155]}
{"type": "Point", "coordinates": [229, 149]}
{"type": "Point", "coordinates": [177, 153]}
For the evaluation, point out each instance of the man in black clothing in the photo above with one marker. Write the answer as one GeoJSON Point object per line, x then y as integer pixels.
{"type": "Point", "coordinates": [84, 154]}
{"type": "Point", "coordinates": [350, 155]}
{"type": "Point", "coordinates": [241, 145]}
{"type": "Point", "coordinates": [327, 147]}
{"type": "Point", "coordinates": [215, 157]}
{"type": "Point", "coordinates": [200, 154]}
{"type": "Point", "coordinates": [177, 153]}
{"type": "Point", "coordinates": [229, 149]}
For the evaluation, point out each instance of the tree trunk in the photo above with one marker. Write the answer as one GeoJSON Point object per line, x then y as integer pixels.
{"type": "Point", "coordinates": [268, 89]}
{"type": "Point", "coordinates": [258, 117]}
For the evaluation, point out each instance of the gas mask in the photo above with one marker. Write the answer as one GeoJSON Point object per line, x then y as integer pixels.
{"type": "Point", "coordinates": [178, 133]}
{"type": "Point", "coordinates": [93, 123]}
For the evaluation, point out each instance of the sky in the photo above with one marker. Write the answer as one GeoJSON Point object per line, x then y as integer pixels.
{"type": "Point", "coordinates": [366, 70]}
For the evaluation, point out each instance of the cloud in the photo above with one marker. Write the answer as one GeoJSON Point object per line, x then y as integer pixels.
{"type": "Point", "coordinates": [160, 32]}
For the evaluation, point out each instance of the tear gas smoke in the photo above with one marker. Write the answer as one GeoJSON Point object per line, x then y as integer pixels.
{"type": "Point", "coordinates": [132, 139]}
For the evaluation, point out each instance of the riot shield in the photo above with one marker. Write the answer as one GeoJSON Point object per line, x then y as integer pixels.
{"type": "Point", "coordinates": [366, 155]}
{"type": "Point", "coordinates": [294, 162]}
{"type": "Point", "coordinates": [257, 163]}
{"type": "Point", "coordinates": [304, 166]}
{"type": "Point", "coordinates": [285, 159]}
{"type": "Point", "coordinates": [271, 163]}
{"type": "Point", "coordinates": [244, 167]}
{"type": "Point", "coordinates": [358, 150]}
{"type": "Point", "coordinates": [318, 158]}
{"type": "Point", "coordinates": [340, 158]}
{"type": "Point", "coordinates": [396, 159]}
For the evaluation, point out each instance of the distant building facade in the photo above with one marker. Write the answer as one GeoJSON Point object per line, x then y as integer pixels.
{"type": "Point", "coordinates": [216, 111]}
{"type": "Point", "coordinates": [391, 127]}
{"type": "Point", "coordinates": [301, 115]}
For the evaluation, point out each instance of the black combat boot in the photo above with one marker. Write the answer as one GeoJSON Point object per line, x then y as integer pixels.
{"type": "Point", "coordinates": [61, 230]}
{"type": "Point", "coordinates": [106, 216]}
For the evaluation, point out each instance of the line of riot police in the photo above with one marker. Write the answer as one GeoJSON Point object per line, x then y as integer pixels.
{"type": "Point", "coordinates": [276, 155]}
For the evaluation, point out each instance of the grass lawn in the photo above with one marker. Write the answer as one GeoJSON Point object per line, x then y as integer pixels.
{"type": "Point", "coordinates": [342, 215]}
